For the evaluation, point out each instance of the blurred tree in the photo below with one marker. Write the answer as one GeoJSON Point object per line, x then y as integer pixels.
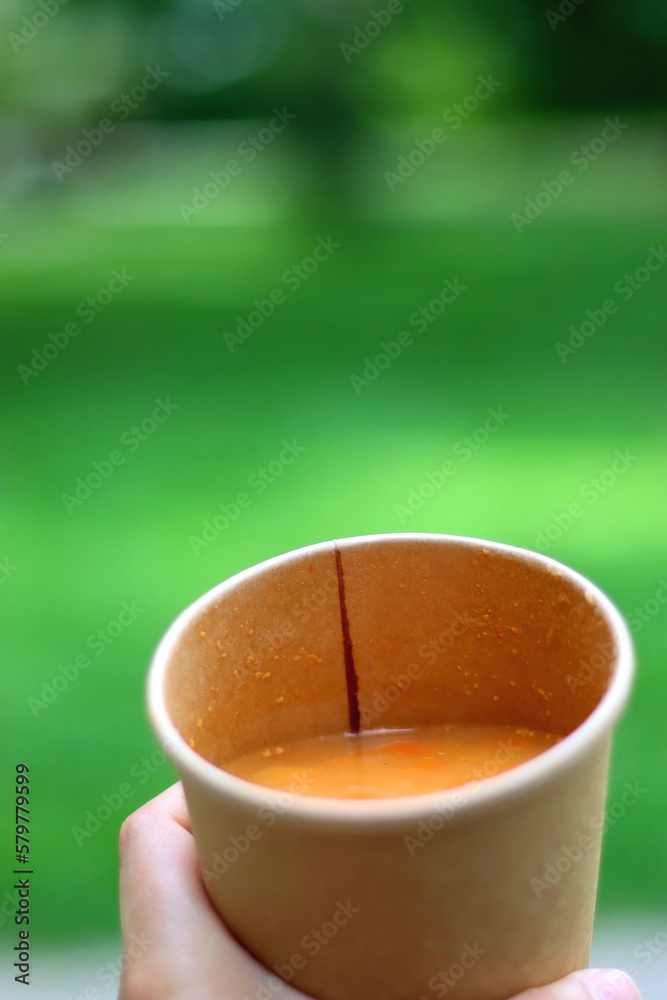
{"type": "Point", "coordinates": [237, 59]}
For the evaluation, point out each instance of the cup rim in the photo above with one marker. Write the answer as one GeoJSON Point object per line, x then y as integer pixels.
{"type": "Point", "coordinates": [474, 795]}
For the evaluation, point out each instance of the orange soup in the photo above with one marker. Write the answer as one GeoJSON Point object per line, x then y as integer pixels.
{"type": "Point", "coordinates": [383, 763]}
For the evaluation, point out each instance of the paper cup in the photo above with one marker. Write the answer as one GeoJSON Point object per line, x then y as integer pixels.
{"type": "Point", "coordinates": [474, 893]}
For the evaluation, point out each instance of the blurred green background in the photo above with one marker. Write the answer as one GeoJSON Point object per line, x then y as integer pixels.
{"type": "Point", "coordinates": [197, 264]}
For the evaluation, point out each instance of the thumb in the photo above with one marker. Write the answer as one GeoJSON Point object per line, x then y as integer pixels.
{"type": "Point", "coordinates": [588, 984]}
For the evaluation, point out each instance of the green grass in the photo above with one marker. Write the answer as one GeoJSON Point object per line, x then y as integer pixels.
{"type": "Point", "coordinates": [162, 337]}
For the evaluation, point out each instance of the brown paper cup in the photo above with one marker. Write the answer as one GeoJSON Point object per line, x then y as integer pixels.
{"type": "Point", "coordinates": [474, 893]}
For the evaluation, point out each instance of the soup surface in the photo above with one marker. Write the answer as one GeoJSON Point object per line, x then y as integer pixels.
{"type": "Point", "coordinates": [383, 763]}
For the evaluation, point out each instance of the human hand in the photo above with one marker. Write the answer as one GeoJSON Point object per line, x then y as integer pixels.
{"type": "Point", "coordinates": [176, 947]}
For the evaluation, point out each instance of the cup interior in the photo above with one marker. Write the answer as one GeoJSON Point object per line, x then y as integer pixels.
{"type": "Point", "coordinates": [442, 629]}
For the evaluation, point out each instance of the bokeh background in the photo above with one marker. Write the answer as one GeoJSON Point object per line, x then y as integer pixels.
{"type": "Point", "coordinates": [103, 176]}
